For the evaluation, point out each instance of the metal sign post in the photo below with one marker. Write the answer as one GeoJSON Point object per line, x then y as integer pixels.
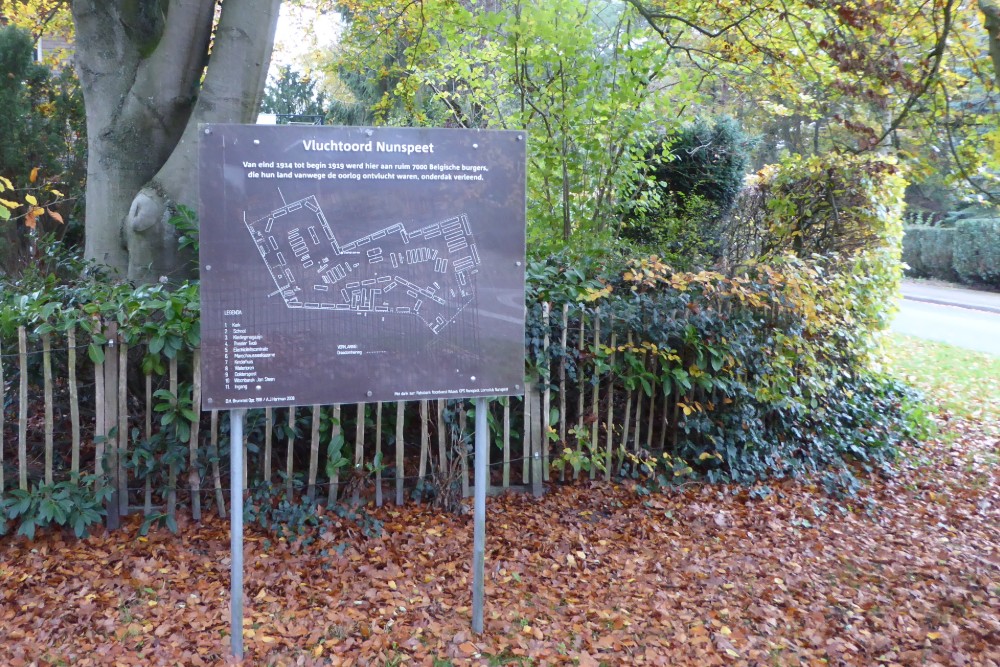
{"type": "Point", "coordinates": [479, 515]}
{"type": "Point", "coordinates": [236, 530]}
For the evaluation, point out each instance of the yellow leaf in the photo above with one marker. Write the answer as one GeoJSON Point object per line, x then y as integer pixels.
{"type": "Point", "coordinates": [317, 650]}
{"type": "Point", "coordinates": [266, 639]}
{"type": "Point", "coordinates": [392, 585]}
{"type": "Point", "coordinates": [8, 203]}
{"type": "Point", "coordinates": [704, 455]}
{"type": "Point", "coordinates": [934, 636]}
{"type": "Point", "coordinates": [37, 211]}
{"type": "Point", "coordinates": [34, 175]}
{"type": "Point", "coordinates": [7, 183]}
{"type": "Point", "coordinates": [57, 193]}
{"type": "Point", "coordinates": [31, 200]}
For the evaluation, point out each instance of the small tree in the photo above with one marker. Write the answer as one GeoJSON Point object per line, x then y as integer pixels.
{"type": "Point", "coordinates": [293, 94]}
{"type": "Point", "coordinates": [42, 151]}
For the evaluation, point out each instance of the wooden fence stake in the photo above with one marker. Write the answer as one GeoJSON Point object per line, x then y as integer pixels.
{"type": "Point", "coordinates": [628, 405]}
{"type": "Point", "coordinates": [581, 389]}
{"type": "Point", "coordinates": [74, 403]}
{"type": "Point", "coordinates": [424, 445]}
{"type": "Point", "coordinates": [100, 422]}
{"type": "Point", "coordinates": [22, 410]}
{"type": "Point", "coordinates": [290, 455]}
{"type": "Point", "coordinates": [665, 422]}
{"type": "Point", "coordinates": [3, 412]}
{"type": "Point", "coordinates": [536, 439]}
{"type": "Point", "coordinates": [610, 425]}
{"type": "Point", "coordinates": [111, 423]}
{"type": "Point", "coordinates": [562, 379]}
{"type": "Point", "coordinates": [147, 505]}
{"type": "Point", "coordinates": [359, 450]}
{"type": "Point", "coordinates": [547, 396]}
{"type": "Point", "coordinates": [335, 432]}
{"type": "Point", "coordinates": [464, 447]}
{"type": "Point", "coordinates": [442, 441]}
{"type": "Point", "coordinates": [526, 437]}
{"type": "Point", "coordinates": [639, 393]}
{"type": "Point", "coordinates": [596, 388]}
{"type": "Point", "coordinates": [652, 411]}
{"type": "Point", "coordinates": [220, 498]}
{"type": "Point", "coordinates": [122, 428]}
{"type": "Point", "coordinates": [268, 442]}
{"type": "Point", "coordinates": [194, 480]}
{"type": "Point", "coordinates": [47, 389]}
{"type": "Point", "coordinates": [378, 454]}
{"type": "Point", "coordinates": [313, 453]}
{"type": "Point", "coordinates": [172, 471]}
{"type": "Point", "coordinates": [506, 442]}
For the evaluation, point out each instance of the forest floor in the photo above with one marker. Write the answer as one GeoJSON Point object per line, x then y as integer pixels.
{"type": "Point", "coordinates": [905, 572]}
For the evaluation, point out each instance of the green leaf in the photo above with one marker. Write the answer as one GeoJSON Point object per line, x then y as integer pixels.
{"type": "Point", "coordinates": [27, 528]}
{"type": "Point", "coordinates": [156, 344]}
{"type": "Point", "coordinates": [96, 353]}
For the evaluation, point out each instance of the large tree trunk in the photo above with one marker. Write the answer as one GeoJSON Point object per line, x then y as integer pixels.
{"type": "Point", "coordinates": [991, 14]}
{"type": "Point", "coordinates": [151, 72]}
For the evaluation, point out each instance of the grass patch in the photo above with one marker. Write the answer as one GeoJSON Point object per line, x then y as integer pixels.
{"type": "Point", "coordinates": [955, 380]}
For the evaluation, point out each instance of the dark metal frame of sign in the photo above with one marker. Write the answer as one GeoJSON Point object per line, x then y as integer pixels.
{"type": "Point", "coordinates": [345, 265]}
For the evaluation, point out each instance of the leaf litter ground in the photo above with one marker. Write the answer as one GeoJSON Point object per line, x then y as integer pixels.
{"type": "Point", "coordinates": [906, 573]}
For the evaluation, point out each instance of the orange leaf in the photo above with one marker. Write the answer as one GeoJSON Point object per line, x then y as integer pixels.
{"type": "Point", "coordinates": [55, 216]}
{"type": "Point", "coordinates": [29, 220]}
{"type": "Point", "coordinates": [34, 175]}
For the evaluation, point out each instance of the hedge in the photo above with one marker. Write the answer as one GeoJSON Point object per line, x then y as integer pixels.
{"type": "Point", "coordinates": [928, 252]}
{"type": "Point", "coordinates": [977, 251]}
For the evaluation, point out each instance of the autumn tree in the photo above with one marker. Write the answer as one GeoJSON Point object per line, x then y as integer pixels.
{"type": "Point", "coordinates": [575, 74]}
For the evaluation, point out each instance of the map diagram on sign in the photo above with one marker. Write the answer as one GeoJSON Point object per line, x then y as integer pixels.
{"type": "Point", "coordinates": [426, 273]}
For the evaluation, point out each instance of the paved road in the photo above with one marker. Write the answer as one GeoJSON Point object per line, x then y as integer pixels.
{"type": "Point", "coordinates": [961, 317]}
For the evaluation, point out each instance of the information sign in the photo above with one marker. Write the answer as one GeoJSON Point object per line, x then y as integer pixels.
{"type": "Point", "coordinates": [344, 265]}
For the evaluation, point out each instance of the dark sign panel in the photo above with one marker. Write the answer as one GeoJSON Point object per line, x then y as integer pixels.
{"type": "Point", "coordinates": [343, 265]}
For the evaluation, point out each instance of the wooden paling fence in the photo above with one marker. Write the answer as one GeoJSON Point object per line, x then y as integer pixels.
{"type": "Point", "coordinates": [65, 414]}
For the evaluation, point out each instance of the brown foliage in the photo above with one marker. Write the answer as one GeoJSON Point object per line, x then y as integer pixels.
{"type": "Point", "coordinates": [908, 573]}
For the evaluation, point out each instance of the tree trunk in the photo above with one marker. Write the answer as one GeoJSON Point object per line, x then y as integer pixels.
{"type": "Point", "coordinates": [991, 13]}
{"type": "Point", "coordinates": [148, 80]}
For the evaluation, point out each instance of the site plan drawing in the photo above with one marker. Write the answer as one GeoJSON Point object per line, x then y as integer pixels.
{"type": "Point", "coordinates": [427, 273]}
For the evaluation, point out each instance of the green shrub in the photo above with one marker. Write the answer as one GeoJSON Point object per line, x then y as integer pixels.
{"type": "Point", "coordinates": [77, 503]}
{"type": "Point", "coordinates": [977, 251]}
{"type": "Point", "coordinates": [928, 252]}
{"type": "Point", "coordinates": [690, 181]}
